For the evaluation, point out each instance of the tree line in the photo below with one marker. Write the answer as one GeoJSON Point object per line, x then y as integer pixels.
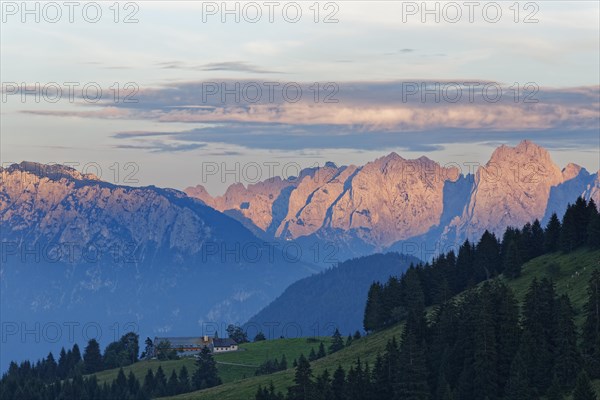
{"type": "Point", "coordinates": [451, 273]}
{"type": "Point", "coordinates": [65, 380]}
{"type": "Point", "coordinates": [478, 346]}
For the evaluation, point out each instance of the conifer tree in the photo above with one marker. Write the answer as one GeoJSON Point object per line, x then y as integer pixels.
{"type": "Point", "coordinates": [567, 360]}
{"type": "Point", "coordinates": [485, 353]}
{"type": "Point", "coordinates": [536, 248]}
{"type": "Point", "coordinates": [512, 261]}
{"type": "Point", "coordinates": [184, 380]}
{"type": "Point", "coordinates": [412, 382]}
{"type": "Point", "coordinates": [303, 387]}
{"type": "Point", "coordinates": [555, 391]}
{"type": "Point", "coordinates": [173, 384]}
{"type": "Point", "coordinates": [487, 257]}
{"type": "Point", "coordinates": [92, 359]}
{"type": "Point", "coordinates": [591, 326]}
{"type": "Point", "coordinates": [337, 343]}
{"type": "Point", "coordinates": [538, 331]}
{"type": "Point", "coordinates": [338, 384]}
{"type": "Point", "coordinates": [583, 388]}
{"type": "Point", "coordinates": [160, 382]}
{"type": "Point", "coordinates": [593, 232]}
{"type": "Point", "coordinates": [552, 234]}
{"type": "Point", "coordinates": [374, 309]}
{"type": "Point", "coordinates": [132, 383]}
{"type": "Point", "coordinates": [321, 353]}
{"type": "Point", "coordinates": [517, 387]}
{"type": "Point", "coordinates": [206, 374]}
{"type": "Point", "coordinates": [348, 340]}
{"type": "Point", "coordinates": [149, 384]}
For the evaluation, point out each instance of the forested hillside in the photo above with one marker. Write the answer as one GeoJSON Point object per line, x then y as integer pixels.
{"type": "Point", "coordinates": [331, 299]}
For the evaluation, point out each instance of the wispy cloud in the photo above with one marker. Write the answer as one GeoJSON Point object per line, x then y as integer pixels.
{"type": "Point", "coordinates": [367, 115]}
{"type": "Point", "coordinates": [161, 147]}
{"type": "Point", "coordinates": [234, 66]}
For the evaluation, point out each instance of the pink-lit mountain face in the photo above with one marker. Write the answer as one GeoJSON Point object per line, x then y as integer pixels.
{"type": "Point", "coordinates": [169, 260]}
{"type": "Point", "coordinates": [392, 200]}
{"type": "Point", "coordinates": [150, 256]}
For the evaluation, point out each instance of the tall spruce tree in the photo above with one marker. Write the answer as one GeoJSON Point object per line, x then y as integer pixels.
{"type": "Point", "coordinates": [160, 383]}
{"type": "Point", "coordinates": [337, 342]}
{"type": "Point", "coordinates": [552, 234]}
{"type": "Point", "coordinates": [485, 349]}
{"type": "Point", "coordinates": [536, 248]}
{"type": "Point", "coordinates": [593, 232]}
{"type": "Point", "coordinates": [517, 387]}
{"type": "Point", "coordinates": [567, 359]}
{"type": "Point", "coordinates": [149, 384]}
{"type": "Point", "coordinates": [184, 380]}
{"type": "Point", "coordinates": [538, 332]}
{"type": "Point", "coordinates": [303, 388]}
{"type": "Point", "coordinates": [412, 383]}
{"type": "Point", "coordinates": [512, 260]}
{"type": "Point", "coordinates": [507, 327]}
{"type": "Point", "coordinates": [338, 384]}
{"type": "Point", "coordinates": [465, 266]}
{"type": "Point", "coordinates": [173, 384]}
{"type": "Point", "coordinates": [92, 359]}
{"type": "Point", "coordinates": [206, 374]}
{"type": "Point", "coordinates": [374, 309]}
{"type": "Point", "coordinates": [487, 257]}
{"type": "Point", "coordinates": [591, 326]}
{"type": "Point", "coordinates": [583, 388]}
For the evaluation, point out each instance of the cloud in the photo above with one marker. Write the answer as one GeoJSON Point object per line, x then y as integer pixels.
{"type": "Point", "coordinates": [234, 66]}
{"type": "Point", "coordinates": [162, 147]}
{"type": "Point", "coordinates": [315, 137]}
{"type": "Point", "coordinates": [365, 115]}
{"type": "Point", "coordinates": [108, 112]}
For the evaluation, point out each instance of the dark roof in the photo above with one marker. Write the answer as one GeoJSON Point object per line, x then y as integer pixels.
{"type": "Point", "coordinates": [180, 341]}
{"type": "Point", "coordinates": [217, 342]}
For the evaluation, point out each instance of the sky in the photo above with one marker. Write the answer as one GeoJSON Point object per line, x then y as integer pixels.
{"type": "Point", "coordinates": [185, 93]}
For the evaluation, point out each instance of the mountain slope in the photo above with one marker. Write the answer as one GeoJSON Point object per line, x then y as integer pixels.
{"type": "Point", "coordinates": [333, 298]}
{"type": "Point", "coordinates": [78, 249]}
{"type": "Point", "coordinates": [391, 202]}
{"type": "Point", "coordinates": [369, 346]}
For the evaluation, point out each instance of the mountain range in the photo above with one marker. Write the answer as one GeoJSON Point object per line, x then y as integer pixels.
{"type": "Point", "coordinates": [76, 248]}
{"type": "Point", "coordinates": [412, 206]}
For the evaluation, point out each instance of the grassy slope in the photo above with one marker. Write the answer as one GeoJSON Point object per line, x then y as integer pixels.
{"type": "Point", "coordinates": [366, 348]}
{"type": "Point", "coordinates": [567, 281]}
{"type": "Point", "coordinates": [251, 356]}
{"type": "Point", "coordinates": [562, 269]}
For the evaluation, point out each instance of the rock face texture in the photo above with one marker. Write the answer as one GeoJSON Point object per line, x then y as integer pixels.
{"type": "Point", "coordinates": [386, 200]}
{"type": "Point", "coordinates": [510, 190]}
{"type": "Point", "coordinates": [76, 248]}
{"type": "Point", "coordinates": [58, 204]}
{"type": "Point", "coordinates": [392, 199]}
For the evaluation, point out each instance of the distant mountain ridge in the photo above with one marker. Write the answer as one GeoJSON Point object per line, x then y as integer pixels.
{"type": "Point", "coordinates": [75, 248]}
{"type": "Point", "coordinates": [393, 201]}
{"type": "Point", "coordinates": [335, 298]}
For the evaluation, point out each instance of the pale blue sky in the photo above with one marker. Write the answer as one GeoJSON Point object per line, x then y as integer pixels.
{"type": "Point", "coordinates": [170, 50]}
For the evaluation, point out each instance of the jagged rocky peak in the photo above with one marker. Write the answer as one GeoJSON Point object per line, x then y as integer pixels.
{"type": "Point", "coordinates": [512, 188]}
{"type": "Point", "coordinates": [525, 149]}
{"type": "Point", "coordinates": [199, 192]}
{"type": "Point", "coordinates": [58, 203]}
{"type": "Point", "coordinates": [50, 171]}
{"type": "Point", "coordinates": [572, 170]}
